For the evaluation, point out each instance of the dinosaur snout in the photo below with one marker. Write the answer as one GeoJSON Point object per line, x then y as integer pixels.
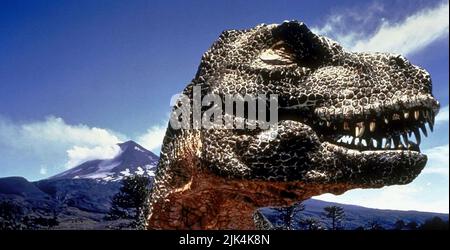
{"type": "Point", "coordinates": [399, 60]}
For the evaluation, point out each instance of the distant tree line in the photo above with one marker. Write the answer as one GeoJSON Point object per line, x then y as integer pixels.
{"type": "Point", "coordinates": [13, 217]}
{"type": "Point", "coordinates": [434, 223]}
{"type": "Point", "coordinates": [335, 216]}
{"type": "Point", "coordinates": [292, 221]}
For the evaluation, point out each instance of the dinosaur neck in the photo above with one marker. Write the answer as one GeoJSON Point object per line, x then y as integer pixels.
{"type": "Point", "coordinates": [186, 195]}
{"type": "Point", "coordinates": [205, 203]}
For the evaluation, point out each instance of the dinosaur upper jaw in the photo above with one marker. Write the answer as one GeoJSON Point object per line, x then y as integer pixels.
{"type": "Point", "coordinates": [379, 145]}
{"type": "Point", "coordinates": [399, 126]}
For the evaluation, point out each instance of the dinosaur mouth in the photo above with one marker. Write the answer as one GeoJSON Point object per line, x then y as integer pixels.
{"type": "Point", "coordinates": [392, 131]}
{"type": "Point", "coordinates": [399, 129]}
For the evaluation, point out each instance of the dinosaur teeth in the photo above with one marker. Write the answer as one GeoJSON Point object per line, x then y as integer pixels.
{"type": "Point", "coordinates": [417, 135]}
{"type": "Point", "coordinates": [416, 114]}
{"type": "Point", "coordinates": [364, 143]}
{"type": "Point", "coordinates": [405, 137]}
{"type": "Point", "coordinates": [425, 114]}
{"type": "Point", "coordinates": [406, 115]}
{"type": "Point", "coordinates": [379, 142]}
{"type": "Point", "coordinates": [388, 142]}
{"type": "Point", "coordinates": [400, 141]}
{"type": "Point", "coordinates": [396, 140]}
{"type": "Point", "coordinates": [430, 120]}
{"type": "Point", "coordinates": [429, 117]}
{"type": "Point", "coordinates": [423, 129]}
{"type": "Point", "coordinates": [397, 130]}
{"type": "Point", "coordinates": [372, 126]}
{"type": "Point", "coordinates": [359, 129]}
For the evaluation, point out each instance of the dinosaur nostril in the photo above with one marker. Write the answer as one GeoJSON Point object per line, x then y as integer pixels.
{"type": "Point", "coordinates": [399, 61]}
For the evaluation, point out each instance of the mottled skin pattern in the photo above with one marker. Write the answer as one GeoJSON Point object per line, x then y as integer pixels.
{"type": "Point", "coordinates": [216, 178]}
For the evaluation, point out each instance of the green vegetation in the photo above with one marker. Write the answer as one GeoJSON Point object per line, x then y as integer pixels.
{"type": "Point", "coordinates": [12, 217]}
{"type": "Point", "coordinates": [294, 218]}
{"type": "Point", "coordinates": [131, 201]}
{"type": "Point", "coordinates": [336, 214]}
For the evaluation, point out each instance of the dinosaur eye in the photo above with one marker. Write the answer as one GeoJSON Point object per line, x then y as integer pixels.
{"type": "Point", "coordinates": [278, 54]}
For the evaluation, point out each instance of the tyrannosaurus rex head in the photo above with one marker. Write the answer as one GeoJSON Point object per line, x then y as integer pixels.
{"type": "Point", "coordinates": [343, 117]}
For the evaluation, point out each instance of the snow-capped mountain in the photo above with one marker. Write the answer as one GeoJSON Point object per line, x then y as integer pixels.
{"type": "Point", "coordinates": [81, 196]}
{"type": "Point", "coordinates": [132, 159]}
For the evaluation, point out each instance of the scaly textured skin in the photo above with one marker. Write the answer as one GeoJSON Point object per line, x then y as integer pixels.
{"type": "Point", "coordinates": [344, 122]}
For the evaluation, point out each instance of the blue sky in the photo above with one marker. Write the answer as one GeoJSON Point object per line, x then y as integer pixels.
{"type": "Point", "coordinates": [76, 77]}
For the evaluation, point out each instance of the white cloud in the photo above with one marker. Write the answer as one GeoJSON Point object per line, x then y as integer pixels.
{"type": "Point", "coordinates": [152, 139]}
{"type": "Point", "coordinates": [43, 170]}
{"type": "Point", "coordinates": [86, 143]}
{"type": "Point", "coordinates": [438, 160]}
{"type": "Point", "coordinates": [442, 115]}
{"type": "Point", "coordinates": [416, 32]}
{"type": "Point", "coordinates": [55, 129]}
{"type": "Point", "coordinates": [78, 155]}
{"type": "Point", "coordinates": [391, 197]}
{"type": "Point", "coordinates": [406, 37]}
{"type": "Point", "coordinates": [53, 141]}
{"type": "Point", "coordinates": [436, 170]}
